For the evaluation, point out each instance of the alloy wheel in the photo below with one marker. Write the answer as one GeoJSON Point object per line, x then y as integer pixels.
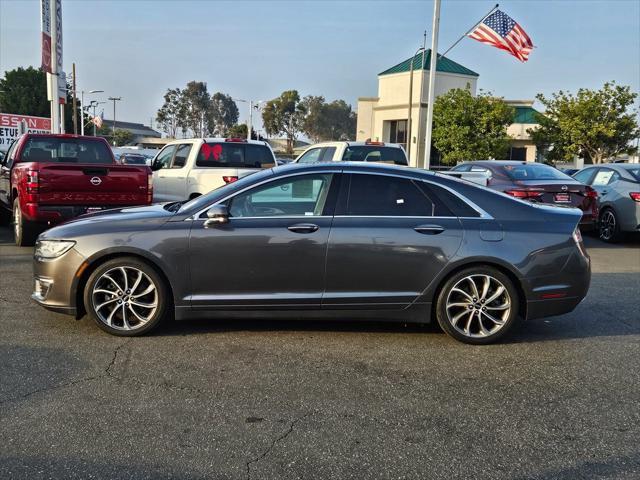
{"type": "Point", "coordinates": [607, 225]}
{"type": "Point", "coordinates": [478, 306]}
{"type": "Point", "coordinates": [125, 298]}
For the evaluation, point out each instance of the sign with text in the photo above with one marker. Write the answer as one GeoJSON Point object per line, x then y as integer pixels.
{"type": "Point", "coordinates": [45, 27]}
{"type": "Point", "coordinates": [58, 45]}
{"type": "Point", "coordinates": [12, 126]}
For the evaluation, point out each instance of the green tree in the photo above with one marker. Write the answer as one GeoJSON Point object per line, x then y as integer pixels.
{"type": "Point", "coordinates": [239, 130]}
{"type": "Point", "coordinates": [23, 91]}
{"type": "Point", "coordinates": [284, 116]}
{"type": "Point", "coordinates": [328, 121]}
{"type": "Point", "coordinates": [171, 115]}
{"type": "Point", "coordinates": [122, 137]}
{"type": "Point", "coordinates": [222, 114]}
{"type": "Point", "coordinates": [196, 102]}
{"type": "Point", "coordinates": [467, 127]}
{"type": "Point", "coordinates": [592, 124]}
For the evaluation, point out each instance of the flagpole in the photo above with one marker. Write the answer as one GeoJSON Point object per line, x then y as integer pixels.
{"type": "Point", "coordinates": [432, 80]}
{"type": "Point", "coordinates": [471, 29]}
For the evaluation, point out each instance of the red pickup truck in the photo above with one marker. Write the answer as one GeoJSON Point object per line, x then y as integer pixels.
{"type": "Point", "coordinates": [47, 179]}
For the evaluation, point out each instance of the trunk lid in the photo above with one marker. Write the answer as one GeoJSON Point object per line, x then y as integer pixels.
{"type": "Point", "coordinates": [559, 192]}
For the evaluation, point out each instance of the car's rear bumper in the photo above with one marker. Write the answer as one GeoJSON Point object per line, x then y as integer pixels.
{"type": "Point", "coordinates": [55, 214]}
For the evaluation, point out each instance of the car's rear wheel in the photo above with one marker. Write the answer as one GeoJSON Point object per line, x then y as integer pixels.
{"type": "Point", "coordinates": [24, 231]}
{"type": "Point", "coordinates": [478, 305]}
{"type": "Point", "coordinates": [126, 297]}
{"type": "Point", "coordinates": [608, 227]}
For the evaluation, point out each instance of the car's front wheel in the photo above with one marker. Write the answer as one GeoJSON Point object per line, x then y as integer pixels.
{"type": "Point", "coordinates": [477, 305]}
{"type": "Point", "coordinates": [126, 297]}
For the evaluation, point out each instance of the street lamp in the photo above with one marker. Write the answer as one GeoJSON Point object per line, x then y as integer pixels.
{"type": "Point", "coordinates": [252, 105]}
{"type": "Point", "coordinates": [82, 103]}
{"type": "Point", "coordinates": [114, 100]}
{"type": "Point", "coordinates": [408, 132]}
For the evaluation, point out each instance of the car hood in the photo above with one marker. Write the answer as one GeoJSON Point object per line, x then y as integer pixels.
{"type": "Point", "coordinates": [129, 218]}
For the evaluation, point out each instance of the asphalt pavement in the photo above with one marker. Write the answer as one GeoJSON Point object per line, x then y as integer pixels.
{"type": "Point", "coordinates": [559, 398]}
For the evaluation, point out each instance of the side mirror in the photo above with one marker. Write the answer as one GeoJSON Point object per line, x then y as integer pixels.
{"type": "Point", "coordinates": [156, 165]}
{"type": "Point", "coordinates": [217, 215]}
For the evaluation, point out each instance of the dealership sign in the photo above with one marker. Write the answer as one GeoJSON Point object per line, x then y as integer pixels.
{"type": "Point", "coordinates": [45, 27]}
{"type": "Point", "coordinates": [12, 126]}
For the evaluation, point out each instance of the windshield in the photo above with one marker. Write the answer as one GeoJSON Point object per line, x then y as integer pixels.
{"type": "Point", "coordinates": [66, 150]}
{"type": "Point", "coordinates": [375, 154]}
{"type": "Point", "coordinates": [204, 200]}
{"type": "Point", "coordinates": [534, 171]}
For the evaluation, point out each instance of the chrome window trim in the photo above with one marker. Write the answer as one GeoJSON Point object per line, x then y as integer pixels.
{"type": "Point", "coordinates": [200, 212]}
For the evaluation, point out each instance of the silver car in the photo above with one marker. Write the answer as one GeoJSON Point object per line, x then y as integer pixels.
{"type": "Point", "coordinates": [618, 187]}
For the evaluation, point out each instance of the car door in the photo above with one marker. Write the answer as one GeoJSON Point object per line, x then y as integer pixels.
{"type": "Point", "coordinates": [271, 253]}
{"type": "Point", "coordinates": [174, 178]}
{"type": "Point", "coordinates": [389, 239]}
{"type": "Point", "coordinates": [160, 177]}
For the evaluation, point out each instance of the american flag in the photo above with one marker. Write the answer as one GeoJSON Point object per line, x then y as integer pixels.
{"type": "Point", "coordinates": [502, 31]}
{"type": "Point", "coordinates": [97, 120]}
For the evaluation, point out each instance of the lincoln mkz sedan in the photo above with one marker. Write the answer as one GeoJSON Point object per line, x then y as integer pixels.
{"type": "Point", "coordinates": [339, 241]}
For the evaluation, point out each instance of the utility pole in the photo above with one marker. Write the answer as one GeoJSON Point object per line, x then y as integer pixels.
{"type": "Point", "coordinates": [432, 81]}
{"type": "Point", "coordinates": [75, 101]}
{"type": "Point", "coordinates": [249, 126]}
{"type": "Point", "coordinates": [113, 130]}
{"type": "Point", "coordinates": [408, 132]}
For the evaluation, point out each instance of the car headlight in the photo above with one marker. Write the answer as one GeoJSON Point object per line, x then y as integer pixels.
{"type": "Point", "coordinates": [53, 248]}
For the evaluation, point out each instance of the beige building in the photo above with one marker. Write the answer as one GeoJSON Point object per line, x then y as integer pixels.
{"type": "Point", "coordinates": [385, 117]}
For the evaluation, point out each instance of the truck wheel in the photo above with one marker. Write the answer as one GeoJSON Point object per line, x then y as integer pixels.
{"type": "Point", "coordinates": [25, 232]}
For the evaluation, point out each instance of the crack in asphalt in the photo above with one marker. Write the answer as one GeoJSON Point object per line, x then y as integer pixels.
{"type": "Point", "coordinates": [107, 373]}
{"type": "Point", "coordinates": [274, 442]}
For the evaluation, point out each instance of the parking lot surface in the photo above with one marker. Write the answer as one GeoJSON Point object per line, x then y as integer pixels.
{"type": "Point", "coordinates": [559, 398]}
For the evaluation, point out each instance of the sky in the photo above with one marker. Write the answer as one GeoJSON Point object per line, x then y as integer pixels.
{"type": "Point", "coordinates": [257, 49]}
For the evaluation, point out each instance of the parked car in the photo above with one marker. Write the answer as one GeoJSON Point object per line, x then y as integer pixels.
{"type": "Point", "coordinates": [132, 159]}
{"type": "Point", "coordinates": [185, 169]}
{"type": "Point", "coordinates": [618, 187]}
{"type": "Point", "coordinates": [536, 182]}
{"type": "Point", "coordinates": [569, 171]}
{"type": "Point", "coordinates": [368, 151]}
{"type": "Point", "coordinates": [46, 179]}
{"type": "Point", "coordinates": [326, 240]}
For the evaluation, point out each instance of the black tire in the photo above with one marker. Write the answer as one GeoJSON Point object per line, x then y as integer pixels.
{"type": "Point", "coordinates": [608, 226]}
{"type": "Point", "coordinates": [120, 298]}
{"type": "Point", "coordinates": [25, 232]}
{"type": "Point", "coordinates": [480, 307]}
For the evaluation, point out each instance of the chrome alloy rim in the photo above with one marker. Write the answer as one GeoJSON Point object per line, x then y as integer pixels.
{"type": "Point", "coordinates": [607, 225]}
{"type": "Point", "coordinates": [478, 306]}
{"type": "Point", "coordinates": [125, 298]}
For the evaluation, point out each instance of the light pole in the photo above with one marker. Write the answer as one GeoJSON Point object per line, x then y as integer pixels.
{"type": "Point", "coordinates": [113, 131]}
{"type": "Point", "coordinates": [94, 104]}
{"type": "Point", "coordinates": [408, 134]}
{"type": "Point", "coordinates": [82, 105]}
{"type": "Point", "coordinates": [252, 105]}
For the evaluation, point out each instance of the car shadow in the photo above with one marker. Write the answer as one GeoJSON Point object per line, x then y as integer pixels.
{"type": "Point", "coordinates": [599, 315]}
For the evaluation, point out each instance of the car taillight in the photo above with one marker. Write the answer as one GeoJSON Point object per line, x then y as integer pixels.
{"type": "Point", "coordinates": [368, 141]}
{"type": "Point", "coordinates": [33, 181]}
{"type": "Point", "coordinates": [533, 194]}
{"type": "Point", "coordinates": [229, 179]}
{"type": "Point", "coordinates": [635, 196]}
{"type": "Point", "coordinates": [150, 188]}
{"type": "Point", "coordinates": [590, 192]}
{"type": "Point", "coordinates": [236, 140]}
{"type": "Point", "coordinates": [577, 235]}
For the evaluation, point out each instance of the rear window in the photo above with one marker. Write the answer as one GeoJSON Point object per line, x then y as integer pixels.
{"type": "Point", "coordinates": [635, 172]}
{"type": "Point", "coordinates": [534, 172]}
{"type": "Point", "coordinates": [133, 159]}
{"type": "Point", "coordinates": [234, 155]}
{"type": "Point", "coordinates": [367, 153]}
{"type": "Point", "coordinates": [66, 150]}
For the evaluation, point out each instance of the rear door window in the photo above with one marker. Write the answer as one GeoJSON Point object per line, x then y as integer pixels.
{"type": "Point", "coordinates": [604, 177]}
{"type": "Point", "coordinates": [234, 155]}
{"type": "Point", "coordinates": [381, 195]}
{"type": "Point", "coordinates": [182, 153]}
{"type": "Point", "coordinates": [66, 150]}
{"type": "Point", "coordinates": [328, 153]}
{"type": "Point", "coordinates": [373, 153]}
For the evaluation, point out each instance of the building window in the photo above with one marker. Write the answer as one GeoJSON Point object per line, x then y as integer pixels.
{"type": "Point", "coordinates": [398, 132]}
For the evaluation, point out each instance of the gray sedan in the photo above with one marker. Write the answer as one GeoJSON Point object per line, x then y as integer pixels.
{"type": "Point", "coordinates": [339, 240]}
{"type": "Point", "coordinates": [618, 187]}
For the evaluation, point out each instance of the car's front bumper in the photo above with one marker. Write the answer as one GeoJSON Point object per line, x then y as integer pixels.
{"type": "Point", "coordinates": [54, 282]}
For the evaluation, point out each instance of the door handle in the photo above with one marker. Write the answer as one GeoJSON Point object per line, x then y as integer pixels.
{"type": "Point", "coordinates": [303, 228]}
{"type": "Point", "coordinates": [604, 192]}
{"type": "Point", "coordinates": [429, 229]}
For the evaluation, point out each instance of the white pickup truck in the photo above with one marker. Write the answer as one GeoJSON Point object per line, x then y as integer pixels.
{"type": "Point", "coordinates": [368, 151]}
{"type": "Point", "coordinates": [185, 169]}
